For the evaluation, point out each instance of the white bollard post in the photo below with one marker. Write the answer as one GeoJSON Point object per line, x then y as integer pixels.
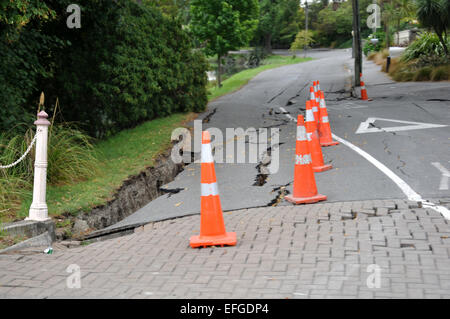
{"type": "Point", "coordinates": [38, 209]}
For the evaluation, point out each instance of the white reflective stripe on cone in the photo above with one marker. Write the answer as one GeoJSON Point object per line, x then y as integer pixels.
{"type": "Point", "coordinates": [303, 159]}
{"type": "Point", "coordinates": [301, 133]}
{"type": "Point", "coordinates": [315, 109]}
{"type": "Point", "coordinates": [207, 153]}
{"type": "Point", "coordinates": [210, 189]}
{"type": "Point", "coordinates": [309, 116]}
{"type": "Point", "coordinates": [325, 119]}
{"type": "Point", "coordinates": [322, 104]}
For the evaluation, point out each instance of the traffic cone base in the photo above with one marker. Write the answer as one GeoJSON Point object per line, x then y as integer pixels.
{"type": "Point", "coordinates": [304, 190]}
{"type": "Point", "coordinates": [229, 239]}
{"type": "Point", "coordinates": [329, 144]}
{"type": "Point", "coordinates": [212, 226]}
{"type": "Point", "coordinates": [318, 169]}
{"type": "Point", "coordinates": [305, 200]}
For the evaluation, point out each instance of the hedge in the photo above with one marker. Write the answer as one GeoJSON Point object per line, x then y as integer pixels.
{"type": "Point", "coordinates": [126, 64]}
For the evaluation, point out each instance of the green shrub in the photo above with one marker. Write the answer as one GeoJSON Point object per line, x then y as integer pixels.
{"type": "Point", "coordinates": [370, 48]}
{"type": "Point", "coordinates": [22, 66]}
{"type": "Point", "coordinates": [126, 64]}
{"type": "Point", "coordinates": [423, 74]}
{"type": "Point", "coordinates": [426, 45]}
{"type": "Point", "coordinates": [441, 73]}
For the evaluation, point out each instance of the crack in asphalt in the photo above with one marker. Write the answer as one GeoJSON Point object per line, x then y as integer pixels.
{"type": "Point", "coordinates": [170, 191]}
{"type": "Point", "coordinates": [282, 192]}
{"type": "Point", "coordinates": [273, 98]}
{"type": "Point", "coordinates": [400, 168]}
{"type": "Point", "coordinates": [263, 173]}
{"type": "Point", "coordinates": [386, 147]}
{"type": "Point", "coordinates": [208, 117]}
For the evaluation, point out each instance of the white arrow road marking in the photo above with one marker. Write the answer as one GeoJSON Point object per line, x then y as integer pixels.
{"type": "Point", "coordinates": [405, 188]}
{"type": "Point", "coordinates": [445, 175]}
{"type": "Point", "coordinates": [364, 127]}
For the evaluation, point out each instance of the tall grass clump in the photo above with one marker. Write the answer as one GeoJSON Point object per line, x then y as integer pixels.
{"type": "Point", "coordinates": [441, 73]}
{"type": "Point", "coordinates": [71, 158]}
{"type": "Point", "coordinates": [423, 74]}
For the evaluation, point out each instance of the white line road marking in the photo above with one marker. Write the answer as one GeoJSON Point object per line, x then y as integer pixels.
{"type": "Point", "coordinates": [405, 188]}
{"type": "Point", "coordinates": [445, 175]}
{"type": "Point", "coordinates": [364, 126]}
{"type": "Point", "coordinates": [287, 114]}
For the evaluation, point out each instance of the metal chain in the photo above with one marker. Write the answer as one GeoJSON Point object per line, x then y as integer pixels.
{"type": "Point", "coordinates": [22, 157]}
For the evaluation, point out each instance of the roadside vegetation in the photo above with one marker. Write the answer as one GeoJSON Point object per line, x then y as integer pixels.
{"type": "Point", "coordinates": [425, 59]}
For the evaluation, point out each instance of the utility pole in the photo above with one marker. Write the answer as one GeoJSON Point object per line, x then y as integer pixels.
{"type": "Point", "coordinates": [357, 42]}
{"type": "Point", "coordinates": [306, 25]}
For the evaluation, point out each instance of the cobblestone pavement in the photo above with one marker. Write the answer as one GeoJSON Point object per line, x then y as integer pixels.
{"type": "Point", "coordinates": [314, 251]}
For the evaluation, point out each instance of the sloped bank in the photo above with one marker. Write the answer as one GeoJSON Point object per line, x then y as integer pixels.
{"type": "Point", "coordinates": [135, 192]}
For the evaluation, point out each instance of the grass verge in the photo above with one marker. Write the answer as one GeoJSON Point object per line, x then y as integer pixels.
{"type": "Point", "coordinates": [237, 81]}
{"type": "Point", "coordinates": [124, 154]}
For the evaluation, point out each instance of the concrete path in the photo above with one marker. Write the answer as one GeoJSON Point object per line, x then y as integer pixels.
{"type": "Point", "coordinates": [365, 249]}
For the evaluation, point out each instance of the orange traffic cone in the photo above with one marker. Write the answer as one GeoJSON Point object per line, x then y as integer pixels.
{"type": "Point", "coordinates": [313, 138]}
{"type": "Point", "coordinates": [324, 124]}
{"type": "Point", "coordinates": [314, 105]}
{"type": "Point", "coordinates": [318, 86]}
{"type": "Point", "coordinates": [212, 226]}
{"type": "Point", "coordinates": [364, 96]}
{"type": "Point", "coordinates": [305, 189]}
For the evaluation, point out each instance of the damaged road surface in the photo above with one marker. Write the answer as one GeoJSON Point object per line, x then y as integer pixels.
{"type": "Point", "coordinates": [273, 99]}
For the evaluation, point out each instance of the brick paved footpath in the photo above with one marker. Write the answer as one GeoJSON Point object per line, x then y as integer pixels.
{"type": "Point", "coordinates": [314, 251]}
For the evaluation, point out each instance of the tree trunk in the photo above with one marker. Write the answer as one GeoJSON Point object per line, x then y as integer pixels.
{"type": "Point", "coordinates": [219, 71]}
{"type": "Point", "coordinates": [268, 43]}
{"type": "Point", "coordinates": [357, 42]}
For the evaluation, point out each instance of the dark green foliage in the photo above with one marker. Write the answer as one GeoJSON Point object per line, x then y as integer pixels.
{"type": "Point", "coordinates": [435, 14]}
{"type": "Point", "coordinates": [128, 63]}
{"type": "Point", "coordinates": [25, 59]}
{"type": "Point", "coordinates": [278, 23]}
{"type": "Point", "coordinates": [369, 47]}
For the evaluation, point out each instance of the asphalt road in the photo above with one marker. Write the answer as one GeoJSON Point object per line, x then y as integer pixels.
{"type": "Point", "coordinates": [271, 98]}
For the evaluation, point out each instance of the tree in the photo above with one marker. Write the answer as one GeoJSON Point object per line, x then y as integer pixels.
{"type": "Point", "coordinates": [172, 8]}
{"type": "Point", "coordinates": [223, 25]}
{"type": "Point", "coordinates": [335, 25]}
{"type": "Point", "coordinates": [20, 12]}
{"type": "Point", "coordinates": [303, 39]}
{"type": "Point", "coordinates": [435, 14]}
{"type": "Point", "coordinates": [278, 23]}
